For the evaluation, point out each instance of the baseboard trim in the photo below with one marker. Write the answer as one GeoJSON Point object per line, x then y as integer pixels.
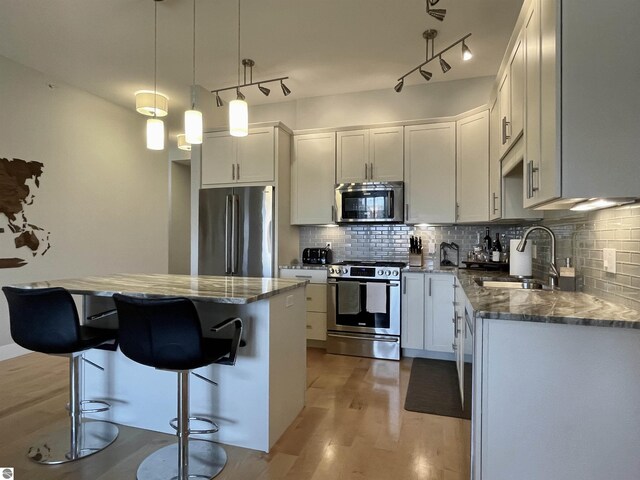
{"type": "Point", "coordinates": [11, 351]}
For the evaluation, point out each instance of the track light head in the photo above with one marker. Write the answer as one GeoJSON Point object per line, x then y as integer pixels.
{"type": "Point", "coordinates": [398, 87]}
{"type": "Point", "coordinates": [437, 13]}
{"type": "Point", "coordinates": [285, 90]}
{"type": "Point", "coordinates": [219, 102]}
{"type": "Point", "coordinates": [239, 96]}
{"type": "Point", "coordinates": [444, 65]}
{"type": "Point", "coordinates": [466, 52]}
{"type": "Point", "coordinates": [264, 90]}
{"type": "Point", "coordinates": [426, 75]}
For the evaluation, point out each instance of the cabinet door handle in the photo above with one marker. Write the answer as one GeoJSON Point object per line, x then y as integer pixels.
{"type": "Point", "coordinates": [366, 171]}
{"type": "Point", "coordinates": [406, 212]}
{"type": "Point", "coordinates": [238, 170]}
{"type": "Point", "coordinates": [333, 216]}
{"type": "Point", "coordinates": [233, 171]}
{"type": "Point", "coordinates": [505, 137]}
{"type": "Point", "coordinates": [429, 286]}
{"type": "Point", "coordinates": [531, 170]}
{"type": "Point", "coordinates": [457, 211]}
{"type": "Point", "coordinates": [495, 197]}
{"type": "Point", "coordinates": [404, 287]}
{"type": "Point", "coordinates": [371, 171]}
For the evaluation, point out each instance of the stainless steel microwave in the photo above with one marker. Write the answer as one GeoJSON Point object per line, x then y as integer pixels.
{"type": "Point", "coordinates": [373, 202]}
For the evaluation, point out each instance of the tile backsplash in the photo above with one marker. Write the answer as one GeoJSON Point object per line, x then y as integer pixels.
{"type": "Point", "coordinates": [580, 237]}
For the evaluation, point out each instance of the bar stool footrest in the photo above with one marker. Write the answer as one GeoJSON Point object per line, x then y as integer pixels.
{"type": "Point", "coordinates": [202, 431]}
{"type": "Point", "coordinates": [83, 410]}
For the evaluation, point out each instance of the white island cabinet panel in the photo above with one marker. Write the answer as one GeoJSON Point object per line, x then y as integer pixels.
{"type": "Point", "coordinates": [558, 401]}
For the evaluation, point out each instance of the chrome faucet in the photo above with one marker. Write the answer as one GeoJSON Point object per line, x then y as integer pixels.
{"type": "Point", "coordinates": [553, 270]}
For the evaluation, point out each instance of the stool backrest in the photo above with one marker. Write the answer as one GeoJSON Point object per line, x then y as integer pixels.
{"type": "Point", "coordinates": [162, 333]}
{"type": "Point", "coordinates": [43, 319]}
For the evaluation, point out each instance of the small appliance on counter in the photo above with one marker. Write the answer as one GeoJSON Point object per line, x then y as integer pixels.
{"type": "Point", "coordinates": [316, 256]}
{"type": "Point", "coordinates": [446, 249]}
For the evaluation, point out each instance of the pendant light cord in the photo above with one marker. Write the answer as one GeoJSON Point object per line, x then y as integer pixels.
{"type": "Point", "coordinates": [239, 42]}
{"type": "Point", "coordinates": [155, 58]}
{"type": "Point", "coordinates": [193, 90]}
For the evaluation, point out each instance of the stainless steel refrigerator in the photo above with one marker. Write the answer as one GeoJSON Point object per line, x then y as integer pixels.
{"type": "Point", "coordinates": [236, 232]}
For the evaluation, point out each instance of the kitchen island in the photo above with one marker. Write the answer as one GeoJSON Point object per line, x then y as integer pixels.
{"type": "Point", "coordinates": [556, 384]}
{"type": "Point", "coordinates": [254, 401]}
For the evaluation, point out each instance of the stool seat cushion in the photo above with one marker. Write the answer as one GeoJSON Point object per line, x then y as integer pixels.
{"type": "Point", "coordinates": [165, 333]}
{"type": "Point", "coordinates": [46, 320]}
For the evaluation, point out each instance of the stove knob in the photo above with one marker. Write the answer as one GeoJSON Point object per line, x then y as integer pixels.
{"type": "Point", "coordinates": [395, 273]}
{"type": "Point", "coordinates": [387, 273]}
{"type": "Point", "coordinates": [345, 271]}
{"type": "Point", "coordinates": [331, 271]}
{"type": "Point", "coordinates": [380, 272]}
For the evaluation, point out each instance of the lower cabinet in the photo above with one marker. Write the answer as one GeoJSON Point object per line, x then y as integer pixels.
{"type": "Point", "coordinates": [427, 313]}
{"type": "Point", "coordinates": [316, 293]}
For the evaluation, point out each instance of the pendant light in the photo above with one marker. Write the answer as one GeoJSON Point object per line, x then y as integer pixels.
{"type": "Point", "coordinates": [193, 118]}
{"type": "Point", "coordinates": [155, 126]}
{"type": "Point", "coordinates": [238, 108]}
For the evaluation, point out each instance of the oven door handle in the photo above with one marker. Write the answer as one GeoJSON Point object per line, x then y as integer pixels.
{"type": "Point", "coordinates": [389, 285]}
{"type": "Point", "coordinates": [359, 337]}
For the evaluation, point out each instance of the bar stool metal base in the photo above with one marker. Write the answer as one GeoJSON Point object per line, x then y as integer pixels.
{"type": "Point", "coordinates": [56, 447]}
{"type": "Point", "coordinates": [206, 460]}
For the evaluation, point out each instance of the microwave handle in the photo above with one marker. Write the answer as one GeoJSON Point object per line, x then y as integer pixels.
{"type": "Point", "coordinates": [391, 204]}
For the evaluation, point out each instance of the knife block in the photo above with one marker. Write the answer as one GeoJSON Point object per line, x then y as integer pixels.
{"type": "Point", "coordinates": [416, 259]}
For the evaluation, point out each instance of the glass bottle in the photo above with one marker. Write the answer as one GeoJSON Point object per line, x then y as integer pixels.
{"type": "Point", "coordinates": [486, 244]}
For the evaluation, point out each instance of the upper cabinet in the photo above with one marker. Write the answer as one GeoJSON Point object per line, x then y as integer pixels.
{"type": "Point", "coordinates": [430, 173]}
{"type": "Point", "coordinates": [313, 173]}
{"type": "Point", "coordinates": [511, 99]}
{"type": "Point", "coordinates": [495, 172]}
{"type": "Point", "coordinates": [228, 160]}
{"type": "Point", "coordinates": [582, 119]}
{"type": "Point", "coordinates": [372, 155]}
{"type": "Point", "coordinates": [472, 179]}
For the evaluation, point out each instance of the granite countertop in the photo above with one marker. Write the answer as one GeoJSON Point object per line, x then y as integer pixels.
{"type": "Point", "coordinates": [303, 267]}
{"type": "Point", "coordinates": [544, 306]}
{"type": "Point", "coordinates": [236, 290]}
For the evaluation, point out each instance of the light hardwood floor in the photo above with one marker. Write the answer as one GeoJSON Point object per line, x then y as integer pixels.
{"type": "Point", "coordinates": [353, 426]}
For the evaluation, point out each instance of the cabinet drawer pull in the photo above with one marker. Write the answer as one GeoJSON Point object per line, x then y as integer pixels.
{"type": "Point", "coordinates": [309, 327]}
{"type": "Point", "coordinates": [309, 299]}
{"type": "Point", "coordinates": [304, 276]}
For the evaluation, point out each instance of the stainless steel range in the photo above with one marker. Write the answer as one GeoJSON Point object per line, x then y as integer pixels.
{"type": "Point", "coordinates": [363, 315]}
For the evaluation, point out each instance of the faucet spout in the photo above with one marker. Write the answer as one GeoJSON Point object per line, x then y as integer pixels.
{"type": "Point", "coordinates": [553, 270]}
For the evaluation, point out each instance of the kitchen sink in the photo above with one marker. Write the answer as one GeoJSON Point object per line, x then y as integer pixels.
{"type": "Point", "coordinates": [526, 284]}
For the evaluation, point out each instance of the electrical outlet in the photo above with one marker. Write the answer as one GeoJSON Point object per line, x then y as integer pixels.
{"type": "Point", "coordinates": [609, 260]}
{"type": "Point", "coordinates": [328, 244]}
{"type": "Point", "coordinates": [534, 250]}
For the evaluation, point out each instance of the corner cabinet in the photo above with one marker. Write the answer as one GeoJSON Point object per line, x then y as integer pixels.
{"type": "Point", "coordinates": [472, 177]}
{"type": "Point", "coordinates": [313, 178]}
{"type": "Point", "coordinates": [427, 313]}
{"type": "Point", "coordinates": [246, 160]}
{"type": "Point", "coordinates": [581, 103]}
{"type": "Point", "coordinates": [372, 155]}
{"type": "Point", "coordinates": [430, 173]}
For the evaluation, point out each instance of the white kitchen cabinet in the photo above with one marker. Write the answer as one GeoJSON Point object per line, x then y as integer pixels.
{"type": "Point", "coordinates": [427, 312]}
{"type": "Point", "coordinates": [583, 144]}
{"type": "Point", "coordinates": [313, 172]}
{"type": "Point", "coordinates": [228, 160]}
{"type": "Point", "coordinates": [316, 295]}
{"type": "Point", "coordinates": [430, 173]}
{"type": "Point", "coordinates": [472, 185]}
{"type": "Point", "coordinates": [495, 172]}
{"type": "Point", "coordinates": [372, 155]}
{"type": "Point", "coordinates": [511, 98]}
{"type": "Point", "coordinates": [412, 311]}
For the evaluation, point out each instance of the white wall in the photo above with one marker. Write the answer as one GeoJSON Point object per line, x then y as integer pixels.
{"type": "Point", "coordinates": [103, 195]}
{"type": "Point", "coordinates": [415, 102]}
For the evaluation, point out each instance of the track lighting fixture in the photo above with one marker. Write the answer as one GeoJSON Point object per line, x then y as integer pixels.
{"type": "Point", "coordinates": [466, 52]}
{"type": "Point", "coordinates": [444, 65]}
{"type": "Point", "coordinates": [430, 54]}
{"type": "Point", "coordinates": [248, 64]}
{"type": "Point", "coordinates": [285, 89]}
{"type": "Point", "coordinates": [437, 13]}
{"type": "Point", "coordinates": [239, 95]}
{"type": "Point", "coordinates": [427, 75]}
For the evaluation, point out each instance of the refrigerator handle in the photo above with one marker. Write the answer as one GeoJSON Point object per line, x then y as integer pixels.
{"type": "Point", "coordinates": [235, 214]}
{"type": "Point", "coordinates": [227, 235]}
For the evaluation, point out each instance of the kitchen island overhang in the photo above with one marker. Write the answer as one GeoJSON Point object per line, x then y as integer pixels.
{"type": "Point", "coordinates": [255, 400]}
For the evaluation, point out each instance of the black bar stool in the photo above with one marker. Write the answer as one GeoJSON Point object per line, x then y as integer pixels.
{"type": "Point", "coordinates": [45, 320]}
{"type": "Point", "coordinates": [166, 334]}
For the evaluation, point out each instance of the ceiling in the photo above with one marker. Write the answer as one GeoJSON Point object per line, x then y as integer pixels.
{"type": "Point", "coordinates": [325, 46]}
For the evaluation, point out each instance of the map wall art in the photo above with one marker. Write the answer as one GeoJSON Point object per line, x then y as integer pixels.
{"type": "Point", "coordinates": [20, 240]}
